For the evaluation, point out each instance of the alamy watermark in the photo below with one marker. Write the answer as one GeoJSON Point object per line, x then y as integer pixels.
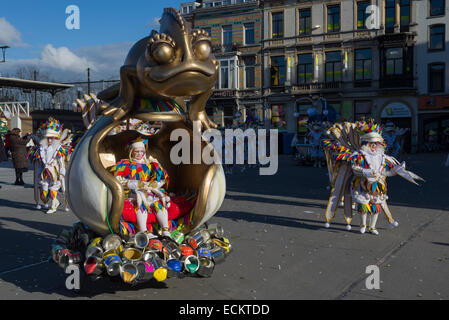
{"type": "Point", "coordinates": [73, 280]}
{"type": "Point", "coordinates": [73, 20]}
{"type": "Point", "coordinates": [220, 150]}
{"type": "Point", "coordinates": [373, 21]}
{"type": "Point", "coordinates": [373, 280]}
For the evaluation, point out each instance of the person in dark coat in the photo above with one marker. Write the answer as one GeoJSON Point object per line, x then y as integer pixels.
{"type": "Point", "coordinates": [19, 154]}
{"type": "Point", "coordinates": [3, 156]}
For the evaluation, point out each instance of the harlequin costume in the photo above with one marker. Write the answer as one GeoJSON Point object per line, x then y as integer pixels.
{"type": "Point", "coordinates": [3, 127]}
{"type": "Point", "coordinates": [51, 160]}
{"type": "Point", "coordinates": [145, 181]}
{"type": "Point", "coordinates": [359, 173]}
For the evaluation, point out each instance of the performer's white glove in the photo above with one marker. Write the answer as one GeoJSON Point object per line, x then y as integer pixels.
{"type": "Point", "coordinates": [168, 201]}
{"type": "Point", "coordinates": [133, 184]}
{"type": "Point", "coordinates": [399, 167]}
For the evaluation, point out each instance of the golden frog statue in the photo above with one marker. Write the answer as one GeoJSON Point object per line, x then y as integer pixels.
{"type": "Point", "coordinates": [167, 66]}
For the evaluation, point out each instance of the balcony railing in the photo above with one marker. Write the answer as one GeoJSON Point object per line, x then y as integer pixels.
{"type": "Point", "coordinates": [224, 48]}
{"type": "Point", "coordinates": [359, 85]}
{"type": "Point", "coordinates": [318, 86]}
{"type": "Point", "coordinates": [224, 93]}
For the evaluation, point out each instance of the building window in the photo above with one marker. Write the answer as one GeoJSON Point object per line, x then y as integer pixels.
{"type": "Point", "coordinates": [305, 22]}
{"type": "Point", "coordinates": [394, 61]}
{"type": "Point", "coordinates": [305, 68]}
{"type": "Point", "coordinates": [436, 37]}
{"type": "Point", "coordinates": [362, 70]}
{"type": "Point", "coordinates": [362, 15]}
{"type": "Point", "coordinates": [228, 74]}
{"type": "Point", "coordinates": [277, 71]}
{"type": "Point", "coordinates": [277, 22]}
{"type": "Point", "coordinates": [249, 33]}
{"type": "Point", "coordinates": [362, 110]}
{"type": "Point", "coordinates": [227, 35]}
{"type": "Point", "coordinates": [436, 7]}
{"type": "Point", "coordinates": [303, 117]}
{"type": "Point", "coordinates": [436, 77]}
{"type": "Point", "coordinates": [333, 19]}
{"type": "Point", "coordinates": [227, 38]}
{"type": "Point", "coordinates": [405, 12]}
{"type": "Point", "coordinates": [278, 117]}
{"type": "Point", "coordinates": [224, 75]}
{"type": "Point", "coordinates": [333, 66]}
{"type": "Point", "coordinates": [250, 72]}
{"type": "Point", "coordinates": [390, 14]}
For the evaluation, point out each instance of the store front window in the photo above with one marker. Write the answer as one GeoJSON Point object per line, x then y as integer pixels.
{"type": "Point", "coordinates": [278, 120]}
{"type": "Point", "coordinates": [277, 71]}
{"type": "Point", "coordinates": [303, 117]}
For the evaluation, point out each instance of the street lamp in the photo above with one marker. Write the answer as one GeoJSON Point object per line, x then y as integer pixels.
{"type": "Point", "coordinates": [4, 52]}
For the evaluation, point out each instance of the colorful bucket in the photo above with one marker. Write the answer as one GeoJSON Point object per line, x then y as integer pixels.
{"type": "Point", "coordinates": [112, 262]}
{"type": "Point", "coordinates": [93, 266]}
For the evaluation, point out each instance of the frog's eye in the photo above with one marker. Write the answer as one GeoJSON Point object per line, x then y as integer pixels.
{"type": "Point", "coordinates": [202, 50]}
{"type": "Point", "coordinates": [163, 53]}
{"type": "Point", "coordinates": [201, 44]}
{"type": "Point", "coordinates": [161, 49]}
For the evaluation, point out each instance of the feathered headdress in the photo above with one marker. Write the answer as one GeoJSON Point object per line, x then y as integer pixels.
{"type": "Point", "coordinates": [52, 128]}
{"type": "Point", "coordinates": [370, 132]}
{"type": "Point", "coordinates": [139, 142]}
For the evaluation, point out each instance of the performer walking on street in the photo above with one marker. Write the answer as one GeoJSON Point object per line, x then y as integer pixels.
{"type": "Point", "coordinates": [359, 168]}
{"type": "Point", "coordinates": [51, 156]}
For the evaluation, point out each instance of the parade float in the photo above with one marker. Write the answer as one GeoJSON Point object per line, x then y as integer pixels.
{"type": "Point", "coordinates": [119, 175]}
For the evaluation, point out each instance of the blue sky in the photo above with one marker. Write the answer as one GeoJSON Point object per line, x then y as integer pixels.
{"type": "Point", "coordinates": [37, 34]}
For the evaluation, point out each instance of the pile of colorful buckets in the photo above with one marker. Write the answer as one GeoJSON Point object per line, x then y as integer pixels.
{"type": "Point", "coordinates": [143, 256]}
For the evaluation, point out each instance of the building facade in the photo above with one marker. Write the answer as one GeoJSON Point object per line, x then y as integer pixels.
{"type": "Point", "coordinates": [357, 55]}
{"type": "Point", "coordinates": [381, 59]}
{"type": "Point", "coordinates": [433, 70]}
{"type": "Point", "coordinates": [235, 30]}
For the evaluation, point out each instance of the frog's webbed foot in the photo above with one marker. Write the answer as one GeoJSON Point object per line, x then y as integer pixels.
{"type": "Point", "coordinates": [197, 112]}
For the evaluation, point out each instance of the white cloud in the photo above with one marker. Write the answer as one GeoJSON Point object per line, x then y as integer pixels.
{"type": "Point", "coordinates": [107, 58]}
{"type": "Point", "coordinates": [10, 36]}
{"type": "Point", "coordinates": [154, 23]}
{"type": "Point", "coordinates": [65, 65]}
{"type": "Point", "coordinates": [64, 59]}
